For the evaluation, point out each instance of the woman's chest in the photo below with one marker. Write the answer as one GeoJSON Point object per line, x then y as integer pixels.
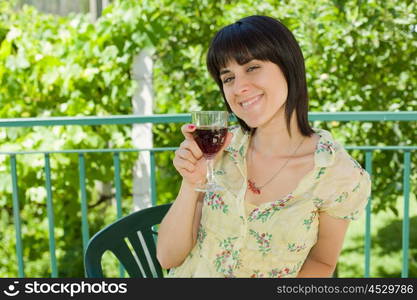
{"type": "Point", "coordinates": [268, 182]}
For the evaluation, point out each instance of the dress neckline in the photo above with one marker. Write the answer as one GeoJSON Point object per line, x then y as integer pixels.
{"type": "Point", "coordinates": [300, 182]}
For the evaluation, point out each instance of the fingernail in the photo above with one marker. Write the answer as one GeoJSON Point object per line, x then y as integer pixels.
{"type": "Point", "coordinates": [191, 126]}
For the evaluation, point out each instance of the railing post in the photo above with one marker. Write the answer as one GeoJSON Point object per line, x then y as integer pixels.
{"type": "Point", "coordinates": [118, 187]}
{"type": "Point", "coordinates": [368, 234]}
{"type": "Point", "coordinates": [117, 184]}
{"type": "Point", "coordinates": [153, 178]}
{"type": "Point", "coordinates": [50, 211]}
{"type": "Point", "coordinates": [406, 217]}
{"type": "Point", "coordinates": [84, 219]}
{"type": "Point", "coordinates": [16, 217]}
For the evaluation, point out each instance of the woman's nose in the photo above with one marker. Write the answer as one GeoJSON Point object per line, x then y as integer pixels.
{"type": "Point", "coordinates": [242, 85]}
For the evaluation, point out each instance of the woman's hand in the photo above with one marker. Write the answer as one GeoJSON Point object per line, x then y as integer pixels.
{"type": "Point", "coordinates": [189, 160]}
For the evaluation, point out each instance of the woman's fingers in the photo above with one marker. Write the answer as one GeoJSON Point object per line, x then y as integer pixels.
{"type": "Point", "coordinates": [189, 142]}
{"type": "Point", "coordinates": [181, 163]}
{"type": "Point", "coordinates": [187, 130]}
{"type": "Point", "coordinates": [188, 158]}
{"type": "Point", "coordinates": [193, 148]}
{"type": "Point", "coordinates": [186, 155]}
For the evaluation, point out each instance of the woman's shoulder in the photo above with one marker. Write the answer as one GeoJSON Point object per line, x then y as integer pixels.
{"type": "Point", "coordinates": [343, 186]}
{"type": "Point", "coordinates": [347, 166]}
{"type": "Point", "coordinates": [336, 158]}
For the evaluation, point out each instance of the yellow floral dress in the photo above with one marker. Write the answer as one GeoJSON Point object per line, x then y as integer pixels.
{"type": "Point", "coordinates": [272, 240]}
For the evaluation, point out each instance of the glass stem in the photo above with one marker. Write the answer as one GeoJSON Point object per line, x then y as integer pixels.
{"type": "Point", "coordinates": [210, 172]}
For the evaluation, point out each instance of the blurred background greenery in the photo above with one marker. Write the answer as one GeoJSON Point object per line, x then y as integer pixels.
{"type": "Point", "coordinates": [360, 56]}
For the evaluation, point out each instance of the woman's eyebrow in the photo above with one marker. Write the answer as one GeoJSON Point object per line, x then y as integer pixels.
{"type": "Point", "coordinates": [224, 71]}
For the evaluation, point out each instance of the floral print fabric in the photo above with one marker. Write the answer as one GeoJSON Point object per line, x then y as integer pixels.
{"type": "Point", "coordinates": [236, 239]}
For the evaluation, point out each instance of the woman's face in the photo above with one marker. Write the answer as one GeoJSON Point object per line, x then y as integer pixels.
{"type": "Point", "coordinates": [255, 91]}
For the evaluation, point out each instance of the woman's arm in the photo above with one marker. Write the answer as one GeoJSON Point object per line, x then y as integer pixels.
{"type": "Point", "coordinates": [322, 259]}
{"type": "Point", "coordinates": [177, 233]}
{"type": "Point", "coordinates": [178, 230]}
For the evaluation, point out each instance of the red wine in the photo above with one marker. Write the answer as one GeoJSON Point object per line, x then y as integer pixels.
{"type": "Point", "coordinates": [210, 139]}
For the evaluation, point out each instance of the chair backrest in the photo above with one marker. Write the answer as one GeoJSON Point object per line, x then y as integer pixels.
{"type": "Point", "coordinates": [135, 228]}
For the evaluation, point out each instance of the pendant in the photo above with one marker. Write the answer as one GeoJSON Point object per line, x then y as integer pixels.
{"type": "Point", "coordinates": [253, 188]}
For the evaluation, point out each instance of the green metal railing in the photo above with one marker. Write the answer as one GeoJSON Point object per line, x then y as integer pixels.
{"type": "Point", "coordinates": [182, 118]}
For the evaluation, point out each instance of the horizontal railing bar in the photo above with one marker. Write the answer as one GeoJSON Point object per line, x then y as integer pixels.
{"type": "Point", "coordinates": [372, 148]}
{"type": "Point", "coordinates": [364, 116]}
{"type": "Point", "coordinates": [95, 150]}
{"type": "Point", "coordinates": [88, 120]}
{"type": "Point", "coordinates": [406, 148]}
{"type": "Point", "coordinates": [178, 118]}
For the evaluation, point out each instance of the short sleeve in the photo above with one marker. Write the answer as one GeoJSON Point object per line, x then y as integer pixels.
{"type": "Point", "coordinates": [347, 193]}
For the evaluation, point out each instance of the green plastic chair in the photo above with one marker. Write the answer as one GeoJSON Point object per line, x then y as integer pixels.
{"type": "Point", "coordinates": [137, 228]}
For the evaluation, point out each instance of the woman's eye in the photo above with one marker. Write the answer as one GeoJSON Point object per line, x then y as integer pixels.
{"type": "Point", "coordinates": [227, 80]}
{"type": "Point", "coordinates": [252, 68]}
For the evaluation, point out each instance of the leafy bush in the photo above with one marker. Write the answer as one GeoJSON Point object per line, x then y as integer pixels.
{"type": "Point", "coordinates": [52, 66]}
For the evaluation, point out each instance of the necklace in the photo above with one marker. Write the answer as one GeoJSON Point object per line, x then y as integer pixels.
{"type": "Point", "coordinates": [256, 189]}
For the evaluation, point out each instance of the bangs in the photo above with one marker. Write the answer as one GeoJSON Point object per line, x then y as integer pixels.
{"type": "Point", "coordinates": [239, 42]}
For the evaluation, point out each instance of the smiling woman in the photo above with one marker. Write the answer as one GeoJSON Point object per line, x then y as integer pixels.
{"type": "Point", "coordinates": [290, 189]}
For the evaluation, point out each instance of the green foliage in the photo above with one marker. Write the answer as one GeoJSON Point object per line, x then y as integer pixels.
{"type": "Point", "coordinates": [360, 56]}
{"type": "Point", "coordinates": [386, 245]}
{"type": "Point", "coordinates": [52, 66]}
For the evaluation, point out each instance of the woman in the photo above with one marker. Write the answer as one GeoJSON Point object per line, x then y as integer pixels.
{"type": "Point", "coordinates": [291, 190]}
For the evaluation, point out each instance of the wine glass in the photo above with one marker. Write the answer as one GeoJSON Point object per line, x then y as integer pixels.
{"type": "Point", "coordinates": [210, 136]}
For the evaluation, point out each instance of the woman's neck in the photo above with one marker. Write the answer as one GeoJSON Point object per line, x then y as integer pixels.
{"type": "Point", "coordinates": [272, 140]}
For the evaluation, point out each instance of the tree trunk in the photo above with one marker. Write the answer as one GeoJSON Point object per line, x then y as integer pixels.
{"type": "Point", "coordinates": [142, 133]}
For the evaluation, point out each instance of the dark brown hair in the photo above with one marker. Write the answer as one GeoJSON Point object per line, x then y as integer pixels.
{"type": "Point", "coordinates": [263, 38]}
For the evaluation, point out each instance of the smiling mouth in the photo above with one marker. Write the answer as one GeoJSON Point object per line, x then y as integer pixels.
{"type": "Point", "coordinates": [247, 103]}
